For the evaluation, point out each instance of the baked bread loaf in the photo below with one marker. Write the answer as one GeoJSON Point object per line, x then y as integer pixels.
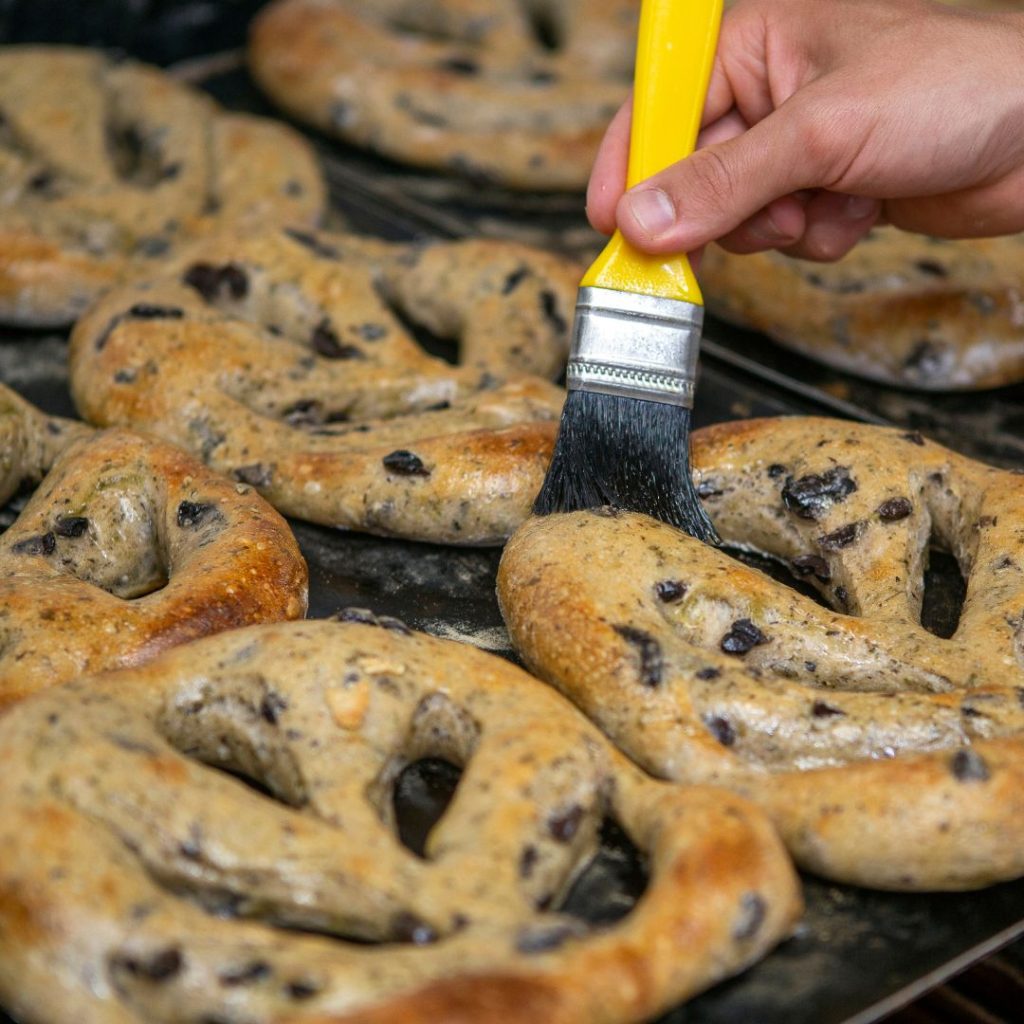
{"type": "Point", "coordinates": [139, 883]}
{"type": "Point", "coordinates": [30, 442]}
{"type": "Point", "coordinates": [886, 756]}
{"type": "Point", "coordinates": [903, 309]}
{"type": "Point", "coordinates": [283, 360]}
{"type": "Point", "coordinates": [106, 163]}
{"type": "Point", "coordinates": [497, 90]}
{"type": "Point", "coordinates": [130, 546]}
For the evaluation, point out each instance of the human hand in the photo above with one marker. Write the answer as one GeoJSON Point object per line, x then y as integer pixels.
{"type": "Point", "coordinates": [825, 116]}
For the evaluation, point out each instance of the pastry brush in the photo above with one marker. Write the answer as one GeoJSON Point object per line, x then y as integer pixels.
{"type": "Point", "coordinates": [624, 438]}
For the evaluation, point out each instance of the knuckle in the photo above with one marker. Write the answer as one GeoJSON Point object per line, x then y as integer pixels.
{"type": "Point", "coordinates": [713, 180]}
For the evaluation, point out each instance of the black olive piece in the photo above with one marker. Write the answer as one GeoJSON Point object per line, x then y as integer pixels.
{"type": "Point", "coordinates": [541, 940]}
{"type": "Point", "coordinates": [776, 469]}
{"type": "Point", "coordinates": [710, 672]}
{"type": "Point", "coordinates": [372, 332]}
{"type": "Point", "coordinates": [159, 966]}
{"type": "Point", "coordinates": [404, 463]}
{"type": "Point", "coordinates": [564, 825]}
{"type": "Point", "coordinates": [301, 989]}
{"type": "Point", "coordinates": [41, 181]}
{"type": "Point", "coordinates": [914, 437]}
{"type": "Point", "coordinates": [271, 707]}
{"type": "Point", "coordinates": [361, 615]}
{"type": "Point", "coordinates": [303, 413]}
{"type": "Point", "coordinates": [514, 280]}
{"type": "Point", "coordinates": [708, 489]}
{"type": "Point", "coordinates": [822, 709]}
{"type": "Point", "coordinates": [528, 861]}
{"type": "Point", "coordinates": [751, 916]}
{"type": "Point", "coordinates": [670, 590]}
{"type": "Point", "coordinates": [969, 766]}
{"type": "Point", "coordinates": [810, 496]}
{"type": "Point", "coordinates": [325, 342]}
{"type": "Point", "coordinates": [925, 358]}
{"type": "Point", "coordinates": [257, 475]}
{"type": "Point", "coordinates": [394, 625]}
{"type": "Point", "coordinates": [931, 268]}
{"type": "Point", "coordinates": [807, 565]}
{"type": "Point", "coordinates": [721, 728]}
{"type": "Point", "coordinates": [212, 281]}
{"type": "Point", "coordinates": [44, 544]}
{"type": "Point", "coordinates": [460, 66]}
{"type": "Point", "coordinates": [148, 311]}
{"type": "Point", "coordinates": [894, 510]}
{"type": "Point", "coordinates": [743, 636]}
{"type": "Point", "coordinates": [841, 538]}
{"type": "Point", "coordinates": [549, 306]}
{"type": "Point", "coordinates": [407, 927]}
{"type": "Point", "coordinates": [192, 513]}
{"type": "Point", "coordinates": [247, 974]}
{"type": "Point", "coordinates": [649, 650]}
{"type": "Point", "coordinates": [70, 526]}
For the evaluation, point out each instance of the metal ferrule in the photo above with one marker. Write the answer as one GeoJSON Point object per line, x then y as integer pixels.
{"type": "Point", "coordinates": [637, 346]}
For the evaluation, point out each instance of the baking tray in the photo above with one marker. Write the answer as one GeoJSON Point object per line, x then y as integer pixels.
{"type": "Point", "coordinates": [858, 954]}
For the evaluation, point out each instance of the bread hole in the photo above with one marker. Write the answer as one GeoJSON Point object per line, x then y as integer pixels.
{"type": "Point", "coordinates": [238, 734]}
{"type": "Point", "coordinates": [421, 795]}
{"type": "Point", "coordinates": [942, 599]}
{"type": "Point", "coordinates": [442, 348]}
{"type": "Point", "coordinates": [609, 887]}
{"type": "Point", "coordinates": [15, 504]}
{"type": "Point", "coordinates": [257, 785]}
{"type": "Point", "coordinates": [778, 571]}
{"type": "Point", "coordinates": [137, 158]}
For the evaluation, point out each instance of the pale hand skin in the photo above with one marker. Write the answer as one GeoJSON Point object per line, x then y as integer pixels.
{"type": "Point", "coordinates": [825, 117]}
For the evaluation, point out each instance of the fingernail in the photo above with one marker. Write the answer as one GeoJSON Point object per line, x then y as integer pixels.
{"type": "Point", "coordinates": [859, 207]}
{"type": "Point", "coordinates": [652, 210]}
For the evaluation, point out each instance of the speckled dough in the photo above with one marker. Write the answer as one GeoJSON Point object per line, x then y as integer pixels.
{"type": "Point", "coordinates": [886, 756]}
{"type": "Point", "coordinates": [116, 836]}
{"type": "Point", "coordinates": [904, 309]}
{"type": "Point", "coordinates": [128, 547]}
{"type": "Point", "coordinates": [104, 165]}
{"type": "Point", "coordinates": [518, 94]}
{"type": "Point", "coordinates": [30, 442]}
{"type": "Point", "coordinates": [282, 360]}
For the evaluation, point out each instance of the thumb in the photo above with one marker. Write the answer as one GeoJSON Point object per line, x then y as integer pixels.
{"type": "Point", "coordinates": [707, 195]}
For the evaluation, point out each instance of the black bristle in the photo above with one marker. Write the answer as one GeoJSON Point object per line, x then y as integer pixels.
{"type": "Point", "coordinates": [629, 454]}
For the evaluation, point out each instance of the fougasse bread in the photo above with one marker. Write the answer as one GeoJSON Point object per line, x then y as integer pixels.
{"type": "Point", "coordinates": [106, 165]}
{"type": "Point", "coordinates": [140, 883]}
{"type": "Point", "coordinates": [886, 755]}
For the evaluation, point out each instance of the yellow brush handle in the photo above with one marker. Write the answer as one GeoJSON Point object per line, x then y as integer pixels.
{"type": "Point", "coordinates": [674, 55]}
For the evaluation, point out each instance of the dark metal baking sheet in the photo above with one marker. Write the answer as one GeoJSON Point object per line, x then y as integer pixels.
{"type": "Point", "coordinates": [857, 954]}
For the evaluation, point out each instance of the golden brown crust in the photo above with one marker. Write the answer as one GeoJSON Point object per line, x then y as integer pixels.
{"type": "Point", "coordinates": [460, 85]}
{"type": "Point", "coordinates": [128, 547]}
{"type": "Point", "coordinates": [904, 309]}
{"type": "Point", "coordinates": [886, 755]}
{"type": "Point", "coordinates": [114, 840]}
{"type": "Point", "coordinates": [280, 359]}
{"type": "Point", "coordinates": [108, 165]}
